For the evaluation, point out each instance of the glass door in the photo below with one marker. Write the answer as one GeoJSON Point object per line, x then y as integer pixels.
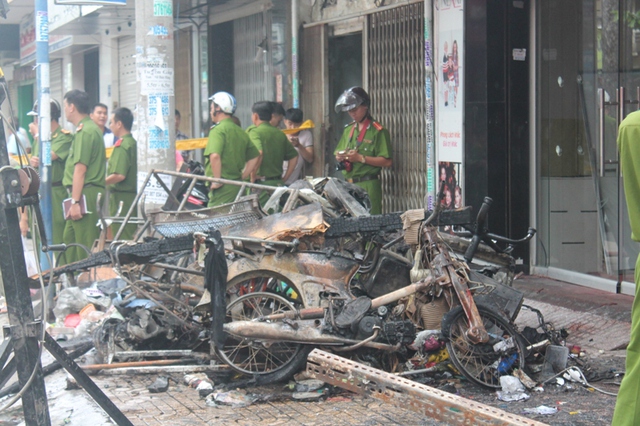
{"type": "Point", "coordinates": [589, 83]}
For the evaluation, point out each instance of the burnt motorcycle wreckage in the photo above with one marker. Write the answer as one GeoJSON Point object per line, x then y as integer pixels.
{"type": "Point", "coordinates": [322, 291]}
{"type": "Point", "coordinates": [320, 273]}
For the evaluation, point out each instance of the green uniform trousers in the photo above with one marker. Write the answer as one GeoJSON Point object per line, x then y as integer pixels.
{"type": "Point", "coordinates": [127, 198]}
{"type": "Point", "coordinates": [58, 194]}
{"type": "Point", "coordinates": [374, 189]}
{"type": "Point", "coordinates": [224, 195]}
{"type": "Point", "coordinates": [265, 195]}
{"type": "Point", "coordinates": [627, 410]}
{"type": "Point", "coordinates": [84, 231]}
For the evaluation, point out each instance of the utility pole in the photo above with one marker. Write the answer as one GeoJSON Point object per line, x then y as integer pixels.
{"type": "Point", "coordinates": [44, 119]}
{"type": "Point", "coordinates": [154, 114]}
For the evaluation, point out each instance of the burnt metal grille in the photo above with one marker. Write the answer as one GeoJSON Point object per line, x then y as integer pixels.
{"type": "Point", "coordinates": [174, 224]}
{"type": "Point", "coordinates": [396, 75]}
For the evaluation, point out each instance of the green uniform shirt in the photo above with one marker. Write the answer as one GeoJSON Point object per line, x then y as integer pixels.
{"type": "Point", "coordinates": [87, 148]}
{"type": "Point", "coordinates": [627, 404]}
{"type": "Point", "coordinates": [275, 148]}
{"type": "Point", "coordinates": [375, 143]}
{"type": "Point", "coordinates": [629, 148]}
{"type": "Point", "coordinates": [60, 144]}
{"type": "Point", "coordinates": [234, 147]}
{"type": "Point", "coordinates": [124, 161]}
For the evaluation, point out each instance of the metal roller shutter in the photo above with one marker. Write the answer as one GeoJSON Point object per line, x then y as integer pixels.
{"type": "Point", "coordinates": [396, 84]}
{"type": "Point", "coordinates": [55, 80]}
{"type": "Point", "coordinates": [127, 92]}
{"type": "Point", "coordinates": [252, 68]}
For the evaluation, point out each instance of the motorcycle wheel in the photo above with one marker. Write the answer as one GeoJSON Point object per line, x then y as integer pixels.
{"type": "Point", "coordinates": [275, 359]}
{"type": "Point", "coordinates": [478, 361]}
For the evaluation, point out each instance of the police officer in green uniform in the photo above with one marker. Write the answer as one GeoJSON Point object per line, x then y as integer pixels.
{"type": "Point", "coordinates": [364, 147]}
{"type": "Point", "coordinates": [60, 144]}
{"type": "Point", "coordinates": [84, 175]}
{"type": "Point", "coordinates": [627, 411]}
{"type": "Point", "coordinates": [122, 171]}
{"type": "Point", "coordinates": [229, 153]}
{"type": "Point", "coordinates": [274, 148]}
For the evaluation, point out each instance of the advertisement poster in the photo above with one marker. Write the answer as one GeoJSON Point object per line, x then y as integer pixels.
{"type": "Point", "coordinates": [449, 66]}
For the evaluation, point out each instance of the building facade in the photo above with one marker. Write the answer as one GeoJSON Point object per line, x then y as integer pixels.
{"type": "Point", "coordinates": [541, 86]}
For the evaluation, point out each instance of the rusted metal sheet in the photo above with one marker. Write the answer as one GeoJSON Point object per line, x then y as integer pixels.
{"type": "Point", "coordinates": [303, 221]}
{"type": "Point", "coordinates": [399, 391]}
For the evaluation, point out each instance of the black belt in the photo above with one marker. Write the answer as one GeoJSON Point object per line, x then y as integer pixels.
{"type": "Point", "coordinates": [363, 179]}
{"type": "Point", "coordinates": [55, 184]}
{"type": "Point", "coordinates": [270, 178]}
{"type": "Point", "coordinates": [87, 185]}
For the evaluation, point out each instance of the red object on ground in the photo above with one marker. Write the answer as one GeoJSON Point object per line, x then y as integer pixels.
{"type": "Point", "coordinates": [72, 320]}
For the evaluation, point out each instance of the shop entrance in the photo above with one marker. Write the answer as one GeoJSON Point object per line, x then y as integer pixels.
{"type": "Point", "coordinates": [589, 82]}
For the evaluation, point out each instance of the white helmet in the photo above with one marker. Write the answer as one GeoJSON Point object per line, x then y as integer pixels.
{"type": "Point", "coordinates": [225, 101]}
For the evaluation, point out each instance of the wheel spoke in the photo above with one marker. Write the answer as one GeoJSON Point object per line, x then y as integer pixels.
{"type": "Point", "coordinates": [257, 357]}
{"type": "Point", "coordinates": [478, 361]}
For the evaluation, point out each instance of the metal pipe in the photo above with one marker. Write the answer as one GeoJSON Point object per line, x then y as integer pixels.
{"type": "Point", "coordinates": [95, 367]}
{"type": "Point", "coordinates": [403, 292]}
{"type": "Point", "coordinates": [371, 338]}
{"type": "Point", "coordinates": [304, 334]}
{"type": "Point", "coordinates": [294, 54]}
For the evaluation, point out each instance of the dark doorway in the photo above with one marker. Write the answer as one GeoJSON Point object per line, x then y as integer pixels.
{"type": "Point", "coordinates": [92, 76]}
{"type": "Point", "coordinates": [345, 70]}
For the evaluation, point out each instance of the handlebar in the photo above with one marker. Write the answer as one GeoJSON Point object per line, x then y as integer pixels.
{"type": "Point", "coordinates": [499, 238]}
{"type": "Point", "coordinates": [480, 230]}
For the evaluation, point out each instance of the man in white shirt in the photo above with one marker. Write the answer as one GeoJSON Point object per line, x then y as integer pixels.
{"type": "Point", "coordinates": [100, 115]}
{"type": "Point", "coordinates": [302, 141]}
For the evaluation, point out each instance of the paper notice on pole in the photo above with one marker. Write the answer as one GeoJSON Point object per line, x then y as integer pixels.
{"type": "Point", "coordinates": [157, 80]}
{"type": "Point", "coordinates": [42, 26]}
{"type": "Point", "coordinates": [158, 138]}
{"type": "Point", "coordinates": [162, 8]}
{"type": "Point", "coordinates": [154, 192]}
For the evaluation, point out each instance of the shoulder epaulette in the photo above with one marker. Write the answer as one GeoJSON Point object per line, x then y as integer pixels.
{"type": "Point", "coordinates": [377, 126]}
{"type": "Point", "coordinates": [349, 124]}
{"type": "Point", "coordinates": [65, 131]}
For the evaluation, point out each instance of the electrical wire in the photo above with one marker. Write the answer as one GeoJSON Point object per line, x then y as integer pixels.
{"type": "Point", "coordinates": [583, 380]}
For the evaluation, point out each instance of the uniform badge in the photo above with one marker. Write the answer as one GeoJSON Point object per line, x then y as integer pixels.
{"type": "Point", "coordinates": [118, 142]}
{"type": "Point", "coordinates": [79, 127]}
{"type": "Point", "coordinates": [65, 131]}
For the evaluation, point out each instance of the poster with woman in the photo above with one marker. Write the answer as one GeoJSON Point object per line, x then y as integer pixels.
{"type": "Point", "coordinates": [449, 173]}
{"type": "Point", "coordinates": [449, 133]}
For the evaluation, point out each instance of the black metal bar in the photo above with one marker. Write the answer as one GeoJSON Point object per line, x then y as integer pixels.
{"type": "Point", "coordinates": [5, 350]}
{"type": "Point", "coordinates": [7, 372]}
{"type": "Point", "coordinates": [18, 298]}
{"type": "Point", "coordinates": [85, 382]}
{"type": "Point", "coordinates": [54, 366]}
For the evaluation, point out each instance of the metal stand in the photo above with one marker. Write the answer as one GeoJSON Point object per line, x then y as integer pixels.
{"type": "Point", "coordinates": [24, 331]}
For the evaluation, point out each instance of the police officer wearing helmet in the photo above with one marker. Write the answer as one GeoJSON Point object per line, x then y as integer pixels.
{"type": "Point", "coordinates": [229, 153]}
{"type": "Point", "coordinates": [364, 148]}
{"type": "Point", "coordinates": [60, 144]}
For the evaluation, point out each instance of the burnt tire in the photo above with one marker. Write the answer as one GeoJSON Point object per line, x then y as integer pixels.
{"type": "Point", "coordinates": [479, 362]}
{"type": "Point", "coordinates": [266, 360]}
